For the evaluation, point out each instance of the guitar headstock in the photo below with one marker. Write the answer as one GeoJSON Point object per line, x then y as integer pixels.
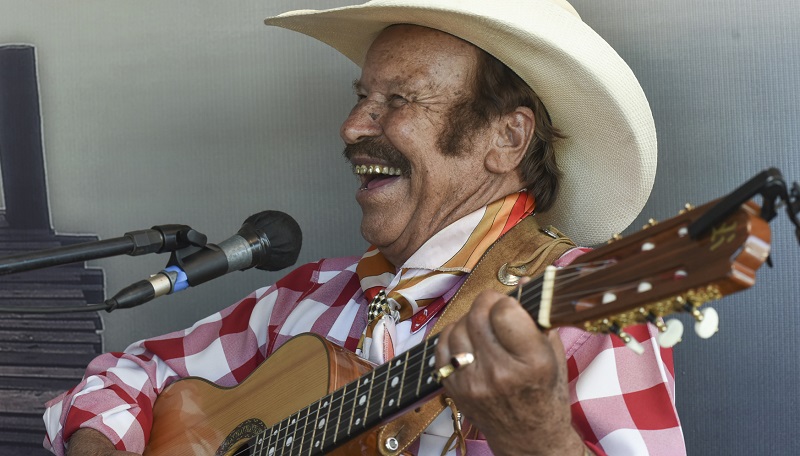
{"type": "Point", "coordinates": [661, 270]}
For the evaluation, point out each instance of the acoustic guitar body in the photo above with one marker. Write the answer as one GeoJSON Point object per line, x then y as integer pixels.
{"type": "Point", "coordinates": [196, 417]}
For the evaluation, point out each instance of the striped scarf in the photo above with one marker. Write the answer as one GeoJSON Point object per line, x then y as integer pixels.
{"type": "Point", "coordinates": [419, 289]}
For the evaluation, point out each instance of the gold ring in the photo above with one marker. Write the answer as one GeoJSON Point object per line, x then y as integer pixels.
{"type": "Point", "coordinates": [458, 361]}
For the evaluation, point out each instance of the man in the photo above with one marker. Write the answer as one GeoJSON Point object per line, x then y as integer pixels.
{"type": "Point", "coordinates": [464, 108]}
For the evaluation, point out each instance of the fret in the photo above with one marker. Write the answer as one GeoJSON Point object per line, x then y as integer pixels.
{"type": "Point", "coordinates": [342, 407]}
{"type": "Point", "coordinates": [429, 384]}
{"type": "Point", "coordinates": [369, 397]}
{"type": "Point", "coordinates": [402, 379]}
{"type": "Point", "coordinates": [283, 434]}
{"type": "Point", "coordinates": [290, 440]}
{"type": "Point", "coordinates": [408, 390]}
{"type": "Point", "coordinates": [374, 405]}
{"type": "Point", "coordinates": [269, 444]}
{"type": "Point", "coordinates": [304, 426]}
{"type": "Point", "coordinates": [422, 364]}
{"type": "Point", "coordinates": [359, 406]}
{"type": "Point", "coordinates": [258, 448]}
{"type": "Point", "coordinates": [315, 443]}
{"type": "Point", "coordinates": [353, 406]}
{"type": "Point", "coordinates": [393, 383]}
{"type": "Point", "coordinates": [322, 423]}
{"type": "Point", "coordinates": [331, 423]}
{"type": "Point", "coordinates": [272, 434]}
{"type": "Point", "coordinates": [385, 384]}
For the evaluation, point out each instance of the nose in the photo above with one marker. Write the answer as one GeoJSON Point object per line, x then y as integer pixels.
{"type": "Point", "coordinates": [363, 122]}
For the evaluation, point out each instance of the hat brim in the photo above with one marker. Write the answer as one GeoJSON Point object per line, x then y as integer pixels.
{"type": "Point", "coordinates": [609, 157]}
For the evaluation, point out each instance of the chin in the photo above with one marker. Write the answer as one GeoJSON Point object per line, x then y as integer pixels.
{"type": "Point", "coordinates": [376, 233]}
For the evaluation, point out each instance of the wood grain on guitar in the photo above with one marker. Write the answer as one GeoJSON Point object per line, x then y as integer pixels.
{"type": "Point", "coordinates": [311, 397]}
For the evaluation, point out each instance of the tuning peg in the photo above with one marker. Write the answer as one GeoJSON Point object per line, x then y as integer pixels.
{"type": "Point", "coordinates": [686, 208]}
{"type": "Point", "coordinates": [707, 322]}
{"type": "Point", "coordinates": [630, 342]}
{"type": "Point", "coordinates": [650, 223]}
{"type": "Point", "coordinates": [614, 237]}
{"type": "Point", "coordinates": [670, 332]}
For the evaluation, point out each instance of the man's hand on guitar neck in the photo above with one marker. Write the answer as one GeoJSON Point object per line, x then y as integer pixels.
{"type": "Point", "coordinates": [516, 390]}
{"type": "Point", "coordinates": [88, 442]}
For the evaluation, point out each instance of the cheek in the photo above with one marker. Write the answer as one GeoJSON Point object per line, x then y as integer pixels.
{"type": "Point", "coordinates": [415, 123]}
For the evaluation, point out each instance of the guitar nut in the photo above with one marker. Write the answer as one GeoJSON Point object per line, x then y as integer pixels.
{"type": "Point", "coordinates": [392, 444]}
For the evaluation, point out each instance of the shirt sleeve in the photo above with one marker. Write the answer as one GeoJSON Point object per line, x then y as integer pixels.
{"type": "Point", "coordinates": [118, 390]}
{"type": "Point", "coordinates": [622, 403]}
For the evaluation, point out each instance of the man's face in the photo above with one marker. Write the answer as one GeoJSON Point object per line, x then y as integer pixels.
{"type": "Point", "coordinates": [411, 80]}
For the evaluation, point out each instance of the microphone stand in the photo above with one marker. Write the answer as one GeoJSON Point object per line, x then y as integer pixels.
{"type": "Point", "coordinates": [158, 239]}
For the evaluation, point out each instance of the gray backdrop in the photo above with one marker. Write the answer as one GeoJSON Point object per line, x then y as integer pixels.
{"type": "Point", "coordinates": [194, 112]}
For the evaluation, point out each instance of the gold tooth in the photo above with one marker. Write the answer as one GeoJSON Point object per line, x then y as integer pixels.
{"type": "Point", "coordinates": [377, 169]}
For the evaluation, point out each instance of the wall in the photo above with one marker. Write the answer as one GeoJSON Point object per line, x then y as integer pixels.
{"type": "Point", "coordinates": [194, 112]}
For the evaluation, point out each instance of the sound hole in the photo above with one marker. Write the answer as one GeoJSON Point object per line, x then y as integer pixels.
{"type": "Point", "coordinates": [240, 436]}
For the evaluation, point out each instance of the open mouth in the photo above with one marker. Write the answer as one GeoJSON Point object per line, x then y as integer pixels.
{"type": "Point", "coordinates": [374, 176]}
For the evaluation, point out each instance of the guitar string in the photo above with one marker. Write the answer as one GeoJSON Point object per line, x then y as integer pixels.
{"type": "Point", "coordinates": [533, 288]}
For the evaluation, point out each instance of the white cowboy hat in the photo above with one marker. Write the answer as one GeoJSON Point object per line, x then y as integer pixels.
{"type": "Point", "coordinates": [609, 157]}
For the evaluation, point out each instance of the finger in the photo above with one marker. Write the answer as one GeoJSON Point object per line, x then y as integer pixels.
{"type": "Point", "coordinates": [460, 339]}
{"type": "Point", "coordinates": [513, 327]}
{"type": "Point", "coordinates": [480, 325]}
{"type": "Point", "coordinates": [442, 348]}
{"type": "Point", "coordinates": [453, 351]}
{"type": "Point", "coordinates": [558, 348]}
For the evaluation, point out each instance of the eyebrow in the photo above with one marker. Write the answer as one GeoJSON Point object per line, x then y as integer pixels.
{"type": "Point", "coordinates": [397, 84]}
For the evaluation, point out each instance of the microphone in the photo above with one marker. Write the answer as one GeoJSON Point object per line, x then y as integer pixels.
{"type": "Point", "coordinates": [269, 240]}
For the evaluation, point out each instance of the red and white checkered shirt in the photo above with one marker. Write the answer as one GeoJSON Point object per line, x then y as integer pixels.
{"type": "Point", "coordinates": [622, 403]}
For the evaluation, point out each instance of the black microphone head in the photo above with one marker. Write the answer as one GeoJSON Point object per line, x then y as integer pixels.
{"type": "Point", "coordinates": [279, 236]}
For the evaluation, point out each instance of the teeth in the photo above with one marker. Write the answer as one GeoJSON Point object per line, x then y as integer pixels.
{"type": "Point", "coordinates": [376, 169]}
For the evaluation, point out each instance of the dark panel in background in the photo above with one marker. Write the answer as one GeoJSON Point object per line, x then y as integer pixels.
{"type": "Point", "coordinates": [21, 156]}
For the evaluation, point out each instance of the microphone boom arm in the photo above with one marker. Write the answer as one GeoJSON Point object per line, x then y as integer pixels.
{"type": "Point", "coordinates": [158, 239]}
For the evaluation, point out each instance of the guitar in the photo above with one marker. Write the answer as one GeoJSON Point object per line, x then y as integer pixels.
{"type": "Point", "coordinates": [312, 397]}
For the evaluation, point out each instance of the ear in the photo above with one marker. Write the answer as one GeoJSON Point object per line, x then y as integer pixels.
{"type": "Point", "coordinates": [513, 132]}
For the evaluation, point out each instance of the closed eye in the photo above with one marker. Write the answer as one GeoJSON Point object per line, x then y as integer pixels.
{"type": "Point", "coordinates": [396, 101]}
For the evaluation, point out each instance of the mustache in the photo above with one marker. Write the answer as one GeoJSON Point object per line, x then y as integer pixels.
{"type": "Point", "coordinates": [380, 150]}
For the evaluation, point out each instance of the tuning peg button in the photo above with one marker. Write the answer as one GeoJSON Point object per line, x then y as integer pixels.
{"type": "Point", "coordinates": [707, 322]}
{"type": "Point", "coordinates": [630, 342]}
{"type": "Point", "coordinates": [671, 332]}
